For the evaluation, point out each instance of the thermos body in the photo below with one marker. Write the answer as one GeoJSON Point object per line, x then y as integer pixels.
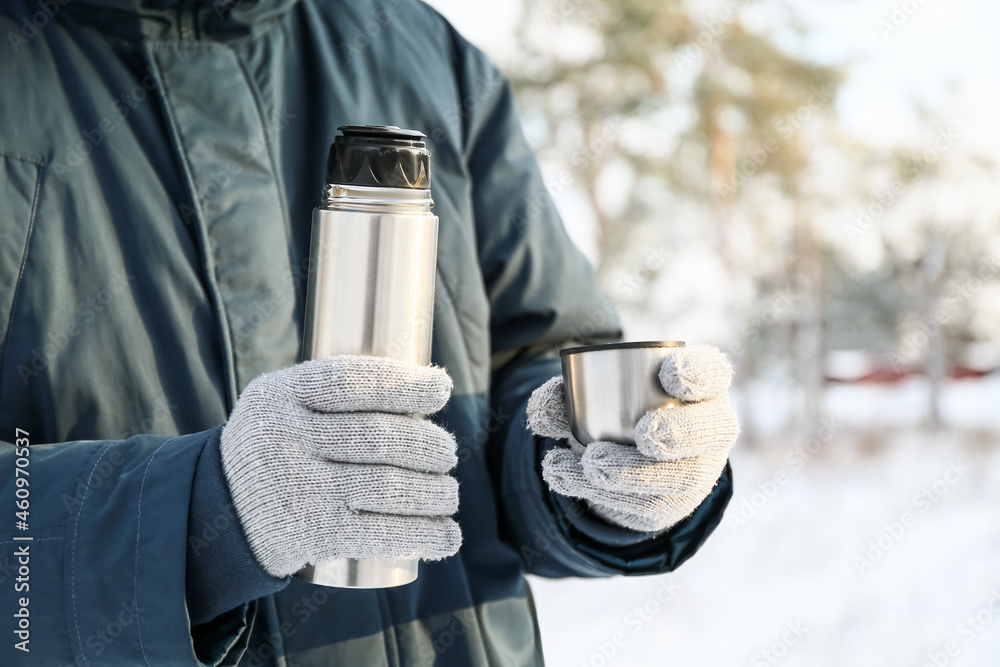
{"type": "Point", "coordinates": [371, 285]}
{"type": "Point", "coordinates": [373, 260]}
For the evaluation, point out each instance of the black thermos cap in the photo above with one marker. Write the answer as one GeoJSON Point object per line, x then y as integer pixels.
{"type": "Point", "coordinates": [380, 156]}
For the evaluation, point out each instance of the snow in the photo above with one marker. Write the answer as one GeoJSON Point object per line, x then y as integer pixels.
{"type": "Point", "coordinates": [878, 545]}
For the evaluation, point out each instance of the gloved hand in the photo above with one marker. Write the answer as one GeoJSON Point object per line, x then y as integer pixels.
{"type": "Point", "coordinates": [679, 455]}
{"type": "Point", "coordinates": [325, 460]}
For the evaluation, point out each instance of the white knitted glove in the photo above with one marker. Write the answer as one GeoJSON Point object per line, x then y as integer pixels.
{"type": "Point", "coordinates": [326, 460]}
{"type": "Point", "coordinates": [679, 455]}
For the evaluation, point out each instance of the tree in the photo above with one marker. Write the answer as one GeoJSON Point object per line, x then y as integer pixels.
{"type": "Point", "coordinates": [697, 118]}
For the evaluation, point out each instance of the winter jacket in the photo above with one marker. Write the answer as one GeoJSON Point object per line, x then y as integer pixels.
{"type": "Point", "coordinates": [159, 161]}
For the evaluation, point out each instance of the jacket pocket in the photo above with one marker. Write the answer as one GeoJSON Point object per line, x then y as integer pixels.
{"type": "Point", "coordinates": [20, 181]}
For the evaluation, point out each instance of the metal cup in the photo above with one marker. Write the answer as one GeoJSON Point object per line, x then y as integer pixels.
{"type": "Point", "coordinates": [610, 387]}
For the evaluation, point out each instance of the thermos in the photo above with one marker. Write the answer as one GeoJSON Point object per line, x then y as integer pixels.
{"type": "Point", "coordinates": [372, 264]}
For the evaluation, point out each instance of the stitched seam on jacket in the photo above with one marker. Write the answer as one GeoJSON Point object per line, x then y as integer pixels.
{"type": "Point", "coordinates": [24, 262]}
{"type": "Point", "coordinates": [456, 309]}
{"type": "Point", "coordinates": [11, 156]}
{"type": "Point", "coordinates": [138, 527]}
{"type": "Point", "coordinates": [33, 540]}
{"type": "Point", "coordinates": [211, 278]}
{"type": "Point", "coordinates": [258, 104]}
{"type": "Point", "coordinates": [72, 569]}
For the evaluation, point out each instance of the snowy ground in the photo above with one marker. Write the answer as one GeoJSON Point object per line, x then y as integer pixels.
{"type": "Point", "coordinates": [874, 544]}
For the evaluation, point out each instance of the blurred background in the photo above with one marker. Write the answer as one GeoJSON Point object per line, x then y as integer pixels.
{"type": "Point", "coordinates": [813, 187]}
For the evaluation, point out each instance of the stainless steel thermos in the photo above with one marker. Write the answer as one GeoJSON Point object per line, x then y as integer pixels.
{"type": "Point", "coordinates": [371, 281]}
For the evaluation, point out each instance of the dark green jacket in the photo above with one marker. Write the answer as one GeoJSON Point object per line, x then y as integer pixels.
{"type": "Point", "coordinates": [158, 164]}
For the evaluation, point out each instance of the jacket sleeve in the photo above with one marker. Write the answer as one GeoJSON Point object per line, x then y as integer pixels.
{"type": "Point", "coordinates": [99, 560]}
{"type": "Point", "coordinates": [544, 295]}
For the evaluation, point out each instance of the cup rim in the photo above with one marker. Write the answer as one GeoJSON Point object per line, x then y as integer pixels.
{"type": "Point", "coordinates": [621, 346]}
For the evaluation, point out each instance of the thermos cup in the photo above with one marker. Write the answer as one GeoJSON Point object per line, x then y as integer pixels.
{"type": "Point", "coordinates": [372, 264]}
{"type": "Point", "coordinates": [610, 387]}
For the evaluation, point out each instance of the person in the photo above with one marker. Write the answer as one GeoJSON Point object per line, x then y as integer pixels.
{"type": "Point", "coordinates": [159, 160]}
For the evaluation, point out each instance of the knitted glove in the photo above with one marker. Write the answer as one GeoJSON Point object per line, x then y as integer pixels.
{"type": "Point", "coordinates": [679, 455]}
{"type": "Point", "coordinates": [325, 460]}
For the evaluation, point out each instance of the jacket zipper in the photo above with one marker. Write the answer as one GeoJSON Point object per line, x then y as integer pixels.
{"type": "Point", "coordinates": [186, 24]}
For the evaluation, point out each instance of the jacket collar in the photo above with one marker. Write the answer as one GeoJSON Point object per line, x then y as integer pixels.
{"type": "Point", "coordinates": [216, 20]}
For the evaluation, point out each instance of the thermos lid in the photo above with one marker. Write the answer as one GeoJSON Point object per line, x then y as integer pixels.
{"type": "Point", "coordinates": [379, 156]}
